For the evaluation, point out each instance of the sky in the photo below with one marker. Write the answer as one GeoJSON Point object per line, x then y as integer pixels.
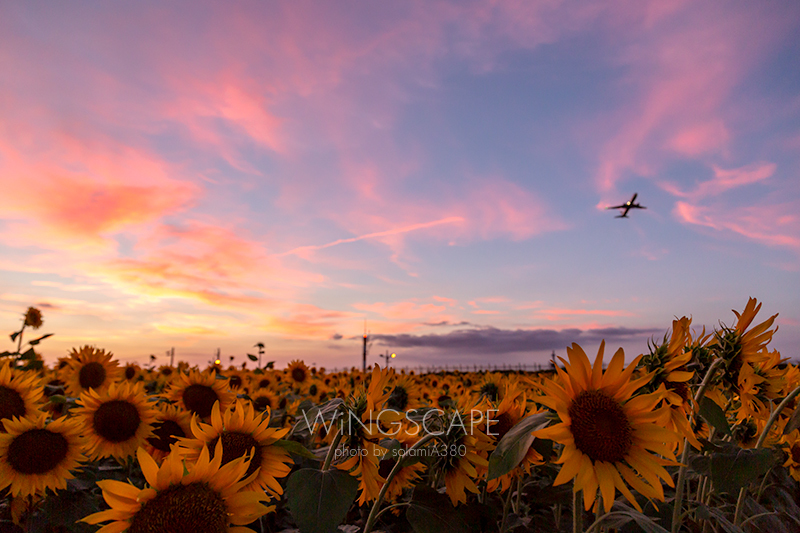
{"type": "Point", "coordinates": [205, 175]}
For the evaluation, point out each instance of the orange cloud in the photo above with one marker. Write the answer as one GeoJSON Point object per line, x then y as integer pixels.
{"type": "Point", "coordinates": [725, 180]}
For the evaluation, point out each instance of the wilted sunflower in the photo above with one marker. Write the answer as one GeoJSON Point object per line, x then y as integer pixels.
{"type": "Point", "coordinates": [197, 392]}
{"type": "Point", "coordinates": [242, 432]}
{"type": "Point", "coordinates": [170, 425]}
{"type": "Point", "coordinates": [207, 498]}
{"type": "Point", "coordinates": [117, 421]}
{"type": "Point", "coordinates": [89, 368]}
{"type": "Point", "coordinates": [20, 393]}
{"type": "Point", "coordinates": [36, 455]}
{"type": "Point", "coordinates": [33, 318]}
{"type": "Point", "coordinates": [606, 430]}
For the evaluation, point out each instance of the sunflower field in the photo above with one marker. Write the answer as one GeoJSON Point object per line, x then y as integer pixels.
{"type": "Point", "coordinates": [700, 434]}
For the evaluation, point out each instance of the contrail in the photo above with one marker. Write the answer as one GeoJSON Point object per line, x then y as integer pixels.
{"type": "Point", "coordinates": [405, 229]}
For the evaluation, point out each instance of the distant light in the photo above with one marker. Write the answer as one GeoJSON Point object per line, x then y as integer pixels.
{"type": "Point", "coordinates": [217, 362]}
{"type": "Point", "coordinates": [394, 355]}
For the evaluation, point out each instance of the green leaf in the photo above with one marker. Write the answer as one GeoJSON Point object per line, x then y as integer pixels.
{"type": "Point", "coordinates": [58, 398]}
{"type": "Point", "coordinates": [292, 446]}
{"type": "Point", "coordinates": [35, 364]}
{"type": "Point", "coordinates": [511, 449]}
{"type": "Point", "coordinates": [252, 357]}
{"type": "Point", "coordinates": [714, 415]}
{"type": "Point", "coordinates": [793, 423]}
{"type": "Point", "coordinates": [34, 342]}
{"type": "Point", "coordinates": [432, 512]}
{"type": "Point", "coordinates": [15, 335]}
{"type": "Point", "coordinates": [28, 354]}
{"type": "Point", "coordinates": [319, 500]}
{"type": "Point", "coordinates": [270, 364]}
{"type": "Point", "coordinates": [733, 470]}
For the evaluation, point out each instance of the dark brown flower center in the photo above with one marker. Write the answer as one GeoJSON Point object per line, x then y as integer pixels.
{"type": "Point", "coordinates": [199, 399]}
{"type": "Point", "coordinates": [299, 374]}
{"type": "Point", "coordinates": [796, 452]}
{"type": "Point", "coordinates": [130, 372]}
{"type": "Point", "coordinates": [11, 403]}
{"type": "Point", "coordinates": [398, 399]}
{"type": "Point", "coordinates": [91, 375]}
{"type": "Point", "coordinates": [385, 467]}
{"type": "Point", "coordinates": [501, 427]}
{"type": "Point", "coordinates": [600, 427]}
{"type": "Point", "coordinates": [182, 509]}
{"type": "Point", "coordinates": [165, 434]}
{"type": "Point", "coordinates": [235, 382]}
{"type": "Point", "coordinates": [116, 420]}
{"type": "Point", "coordinates": [680, 388]}
{"type": "Point", "coordinates": [264, 383]}
{"type": "Point", "coordinates": [235, 445]}
{"type": "Point", "coordinates": [262, 403]}
{"type": "Point", "coordinates": [37, 451]}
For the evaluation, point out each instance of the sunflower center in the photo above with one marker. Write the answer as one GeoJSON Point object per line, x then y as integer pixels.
{"type": "Point", "coordinates": [130, 372]}
{"type": "Point", "coordinates": [398, 400]}
{"type": "Point", "coordinates": [199, 399]}
{"type": "Point", "coordinates": [679, 388]}
{"type": "Point", "coordinates": [37, 451]}
{"type": "Point", "coordinates": [235, 445]}
{"type": "Point", "coordinates": [503, 424]}
{"type": "Point", "coordinates": [91, 375]}
{"type": "Point", "coordinates": [116, 420]}
{"type": "Point", "coordinates": [264, 383]}
{"type": "Point", "coordinates": [600, 427]}
{"type": "Point", "coordinates": [11, 403]}
{"type": "Point", "coordinates": [165, 434]}
{"type": "Point", "coordinates": [182, 509]}
{"type": "Point", "coordinates": [298, 374]}
{"type": "Point", "coordinates": [235, 382]}
{"type": "Point", "coordinates": [385, 467]}
{"type": "Point", "coordinates": [262, 403]}
{"type": "Point", "coordinates": [796, 452]}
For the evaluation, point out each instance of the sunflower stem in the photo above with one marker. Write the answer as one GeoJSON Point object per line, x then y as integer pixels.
{"type": "Point", "coordinates": [577, 511]}
{"type": "Point", "coordinates": [737, 515]}
{"type": "Point", "coordinates": [329, 457]}
{"type": "Point", "coordinates": [519, 493]}
{"type": "Point", "coordinates": [676, 511]}
{"type": "Point", "coordinates": [506, 504]}
{"type": "Point", "coordinates": [373, 514]}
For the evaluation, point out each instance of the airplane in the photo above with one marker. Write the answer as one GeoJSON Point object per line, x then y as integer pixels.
{"type": "Point", "coordinates": [627, 206]}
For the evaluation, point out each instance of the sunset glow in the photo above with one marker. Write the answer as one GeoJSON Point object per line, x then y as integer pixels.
{"type": "Point", "coordinates": [209, 175]}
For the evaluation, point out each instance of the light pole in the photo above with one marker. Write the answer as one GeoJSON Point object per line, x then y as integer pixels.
{"type": "Point", "coordinates": [387, 356]}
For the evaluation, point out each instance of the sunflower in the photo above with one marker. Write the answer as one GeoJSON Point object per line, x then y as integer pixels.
{"type": "Point", "coordinates": [242, 431]}
{"type": "Point", "coordinates": [404, 395]}
{"type": "Point", "coordinates": [20, 393]}
{"type": "Point", "coordinates": [197, 392]}
{"type": "Point", "coordinates": [132, 372]}
{"type": "Point", "coordinates": [739, 346]}
{"type": "Point", "coordinates": [792, 443]}
{"type": "Point", "coordinates": [208, 497]}
{"type": "Point", "coordinates": [33, 318]}
{"type": "Point", "coordinates": [89, 368]}
{"type": "Point", "coordinates": [117, 421]}
{"type": "Point", "coordinates": [36, 455]}
{"type": "Point", "coordinates": [463, 457]}
{"type": "Point", "coordinates": [667, 365]}
{"type": "Point", "coordinates": [361, 429]}
{"type": "Point", "coordinates": [409, 473]}
{"type": "Point", "coordinates": [171, 424]}
{"type": "Point", "coordinates": [606, 430]}
{"type": "Point", "coordinates": [264, 399]}
{"type": "Point", "coordinates": [298, 375]}
{"type": "Point", "coordinates": [504, 417]}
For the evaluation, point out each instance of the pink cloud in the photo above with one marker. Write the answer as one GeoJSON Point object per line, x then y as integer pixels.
{"type": "Point", "coordinates": [678, 86]}
{"type": "Point", "coordinates": [771, 224]}
{"type": "Point", "coordinates": [406, 310]}
{"type": "Point", "coordinates": [725, 180]}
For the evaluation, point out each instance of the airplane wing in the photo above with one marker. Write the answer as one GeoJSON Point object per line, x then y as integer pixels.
{"type": "Point", "coordinates": [623, 206]}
